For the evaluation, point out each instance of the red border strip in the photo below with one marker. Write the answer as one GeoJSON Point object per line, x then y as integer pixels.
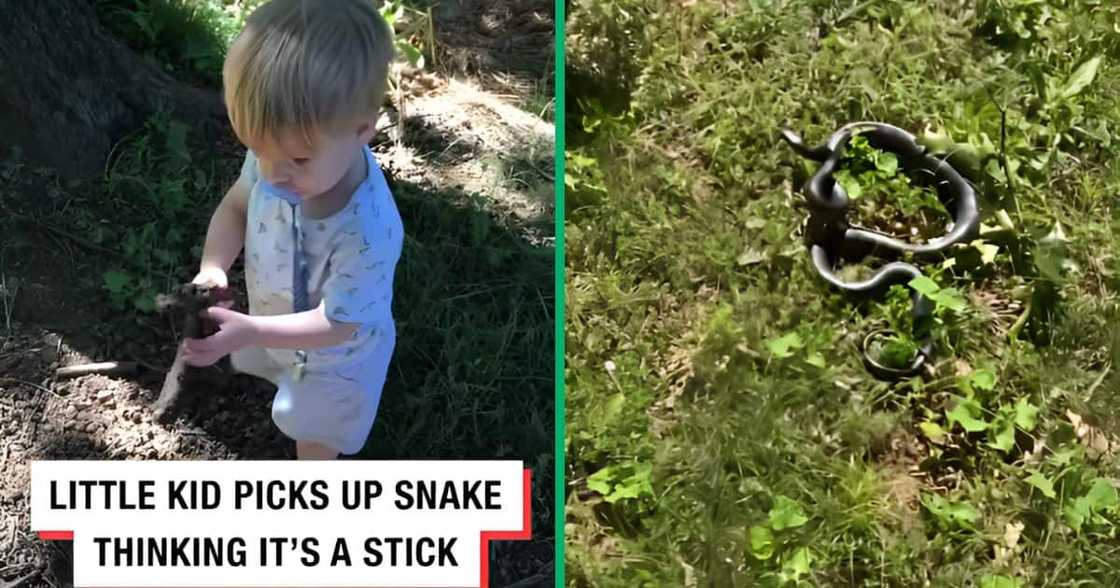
{"type": "Point", "coordinates": [526, 531]}
{"type": "Point", "coordinates": [56, 535]}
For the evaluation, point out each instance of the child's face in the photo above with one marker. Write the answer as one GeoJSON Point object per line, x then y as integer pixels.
{"type": "Point", "coordinates": [287, 161]}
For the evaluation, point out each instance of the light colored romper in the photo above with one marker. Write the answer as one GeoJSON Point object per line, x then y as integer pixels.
{"type": "Point", "coordinates": [327, 395]}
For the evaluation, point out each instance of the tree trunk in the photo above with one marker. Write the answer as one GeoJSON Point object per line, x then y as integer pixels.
{"type": "Point", "coordinates": [69, 91]}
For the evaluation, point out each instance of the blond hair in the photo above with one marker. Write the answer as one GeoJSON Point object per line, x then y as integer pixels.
{"type": "Point", "coordinates": [306, 66]}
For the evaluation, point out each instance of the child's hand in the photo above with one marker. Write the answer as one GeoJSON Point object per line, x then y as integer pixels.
{"type": "Point", "coordinates": [214, 277]}
{"type": "Point", "coordinates": [235, 331]}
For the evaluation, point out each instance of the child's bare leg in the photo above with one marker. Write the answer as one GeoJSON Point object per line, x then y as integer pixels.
{"type": "Point", "coordinates": [313, 450]}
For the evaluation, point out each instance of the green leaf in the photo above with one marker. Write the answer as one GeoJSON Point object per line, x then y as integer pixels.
{"type": "Point", "coordinates": [1102, 495]}
{"type": "Point", "coordinates": [781, 346]}
{"type": "Point", "coordinates": [925, 286]}
{"type": "Point", "coordinates": [897, 353]}
{"type": "Point", "coordinates": [815, 358]}
{"type": "Point", "coordinates": [965, 413]}
{"type": "Point", "coordinates": [1044, 485]}
{"type": "Point", "coordinates": [786, 514]}
{"type": "Point", "coordinates": [950, 298]}
{"type": "Point", "coordinates": [144, 303]}
{"type": "Point", "coordinates": [999, 581]}
{"type": "Point", "coordinates": [411, 54]}
{"type": "Point", "coordinates": [932, 431]}
{"type": "Point", "coordinates": [947, 297]}
{"type": "Point", "coordinates": [987, 251]}
{"type": "Point", "coordinates": [613, 407]}
{"type": "Point", "coordinates": [634, 486]}
{"type": "Point", "coordinates": [963, 513]}
{"type": "Point", "coordinates": [959, 514]}
{"type": "Point", "coordinates": [1081, 77]}
{"type": "Point", "coordinates": [116, 281]}
{"type": "Point", "coordinates": [1026, 415]}
{"type": "Point", "coordinates": [1002, 437]}
{"type": "Point", "coordinates": [600, 481]}
{"type": "Point", "coordinates": [1062, 457]}
{"type": "Point", "coordinates": [887, 163]}
{"type": "Point", "coordinates": [610, 482]}
{"type": "Point", "coordinates": [762, 542]}
{"type": "Point", "coordinates": [1051, 254]}
{"type": "Point", "coordinates": [1077, 513]}
{"type": "Point", "coordinates": [849, 183]}
{"type": "Point", "coordinates": [982, 379]}
{"type": "Point", "coordinates": [799, 564]}
{"type": "Point", "coordinates": [750, 256]}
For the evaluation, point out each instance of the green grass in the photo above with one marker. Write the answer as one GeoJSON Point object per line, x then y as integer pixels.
{"type": "Point", "coordinates": [470, 379]}
{"type": "Point", "coordinates": [721, 428]}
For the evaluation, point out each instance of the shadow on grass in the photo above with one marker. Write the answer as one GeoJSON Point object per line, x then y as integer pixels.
{"type": "Point", "coordinates": [472, 374]}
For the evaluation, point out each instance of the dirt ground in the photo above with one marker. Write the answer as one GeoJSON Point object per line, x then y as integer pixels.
{"type": "Point", "coordinates": [469, 125]}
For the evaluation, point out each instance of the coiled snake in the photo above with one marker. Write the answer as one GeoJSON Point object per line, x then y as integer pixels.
{"type": "Point", "coordinates": [832, 239]}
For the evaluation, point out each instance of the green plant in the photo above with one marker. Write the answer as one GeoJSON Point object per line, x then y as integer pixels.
{"type": "Point", "coordinates": [949, 514]}
{"type": "Point", "coordinates": [769, 538]}
{"type": "Point", "coordinates": [1101, 498]}
{"type": "Point", "coordinates": [1013, 23]}
{"type": "Point", "coordinates": [151, 180]}
{"type": "Point", "coordinates": [414, 32]}
{"type": "Point", "coordinates": [621, 482]}
{"type": "Point", "coordinates": [885, 198]}
{"type": "Point", "coordinates": [184, 36]}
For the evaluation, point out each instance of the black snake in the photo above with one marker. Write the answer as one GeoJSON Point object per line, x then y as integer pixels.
{"type": "Point", "coordinates": [831, 238]}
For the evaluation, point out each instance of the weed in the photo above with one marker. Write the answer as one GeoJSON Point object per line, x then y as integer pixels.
{"type": "Point", "coordinates": [885, 199]}
{"type": "Point", "coordinates": [414, 32]}
{"type": "Point", "coordinates": [190, 38]}
{"type": "Point", "coordinates": [186, 37]}
{"type": "Point", "coordinates": [152, 179]}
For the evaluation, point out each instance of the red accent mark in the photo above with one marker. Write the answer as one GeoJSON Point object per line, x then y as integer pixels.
{"type": "Point", "coordinates": [526, 531]}
{"type": "Point", "coordinates": [56, 535]}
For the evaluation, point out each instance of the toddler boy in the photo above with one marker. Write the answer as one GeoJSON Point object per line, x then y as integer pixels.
{"type": "Point", "coordinates": [303, 84]}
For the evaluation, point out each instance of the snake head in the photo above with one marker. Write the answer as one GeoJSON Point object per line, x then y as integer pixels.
{"type": "Point", "coordinates": [819, 153]}
{"type": "Point", "coordinates": [790, 136]}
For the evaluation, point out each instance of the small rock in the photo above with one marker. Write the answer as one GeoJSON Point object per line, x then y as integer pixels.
{"type": "Point", "coordinates": [91, 427]}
